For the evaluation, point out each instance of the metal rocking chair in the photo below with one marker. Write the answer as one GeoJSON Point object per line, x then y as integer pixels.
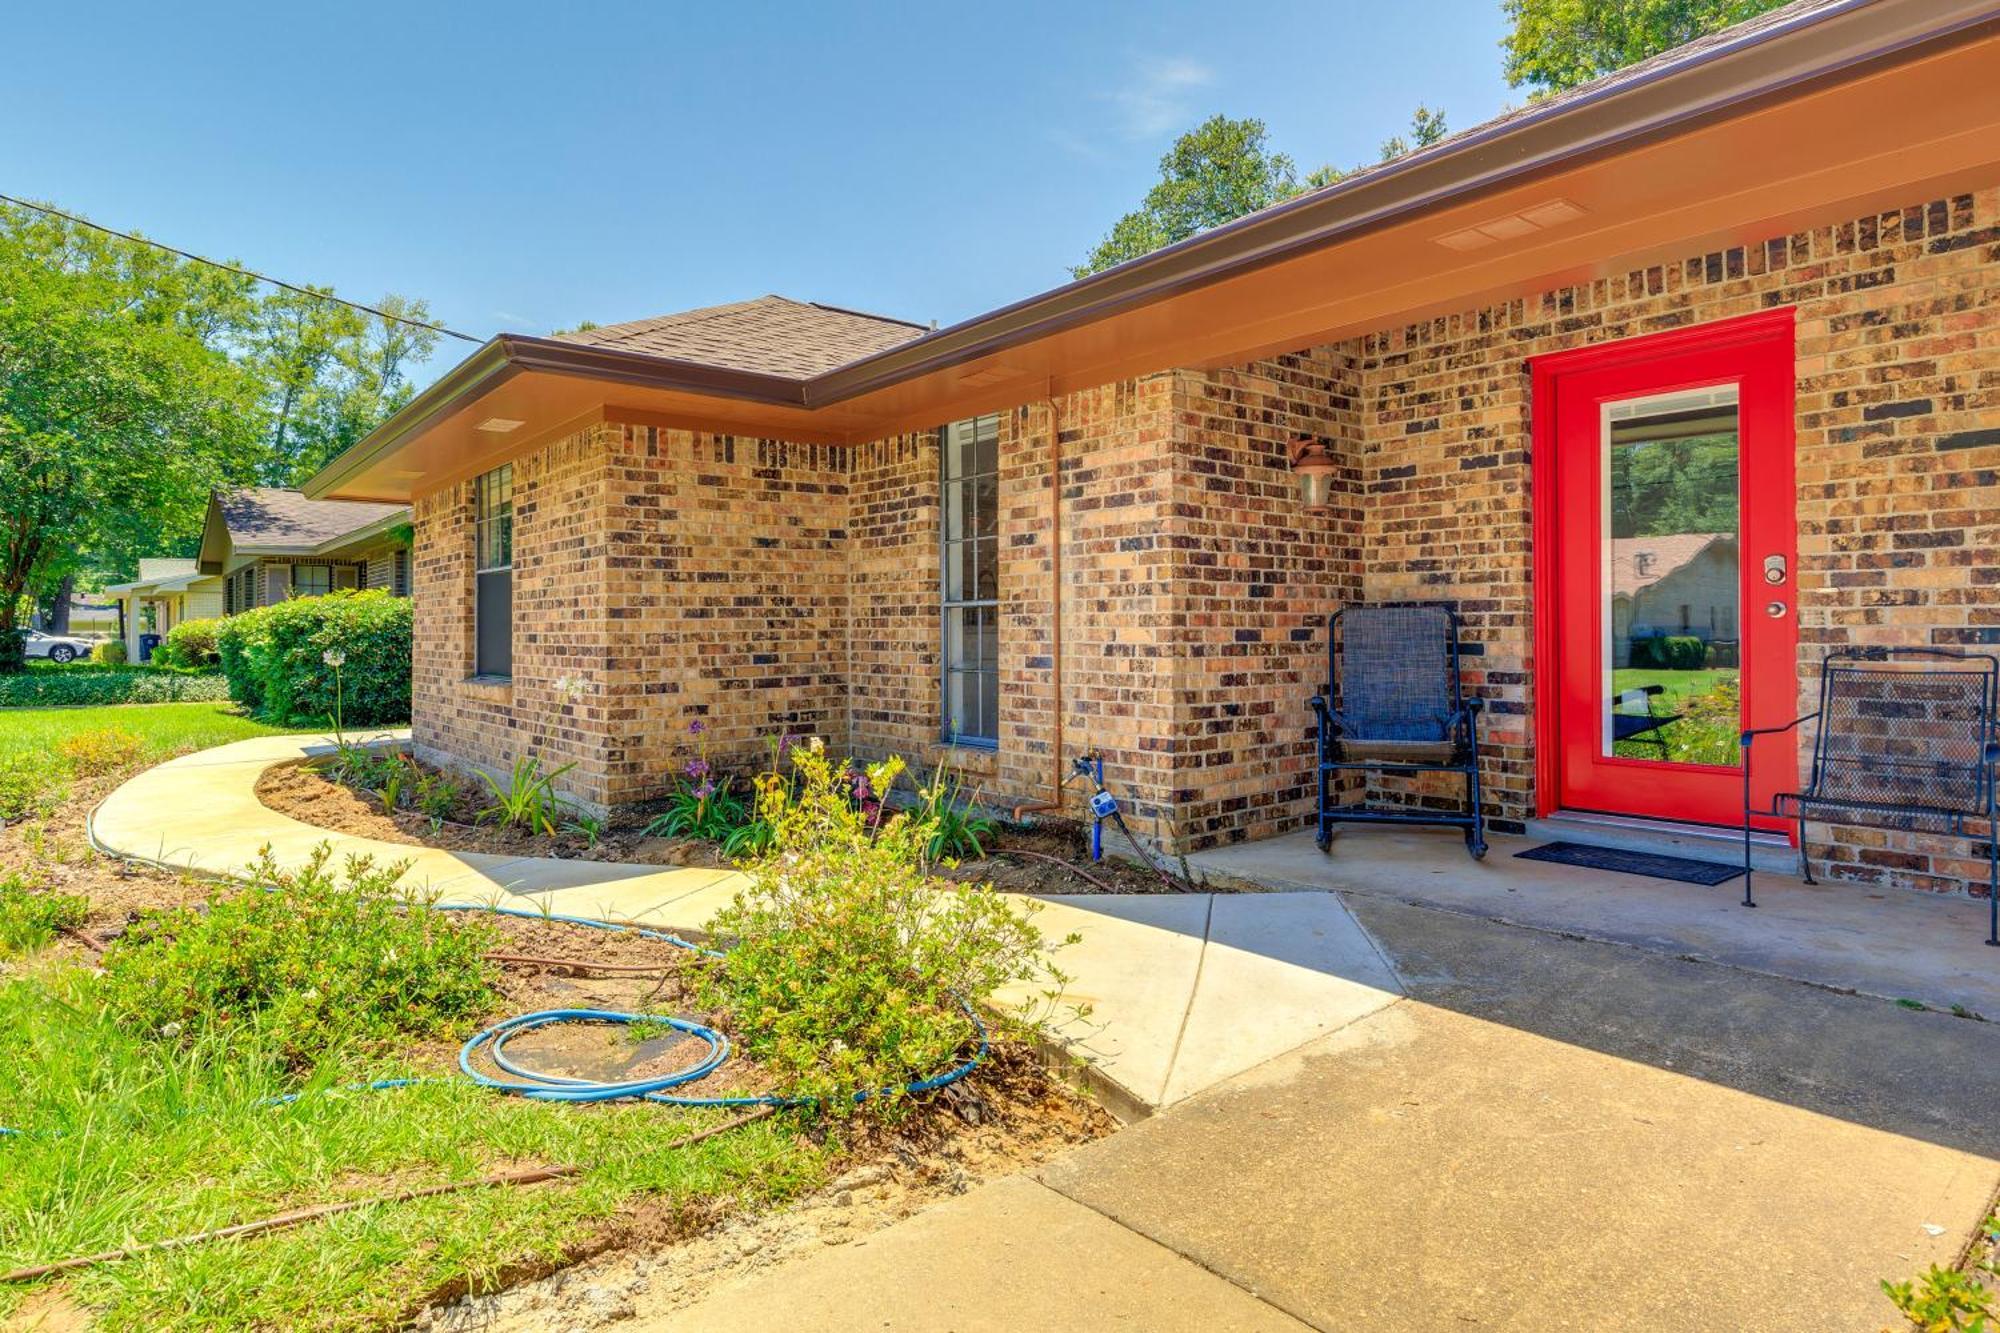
{"type": "Point", "coordinates": [1393, 704]}
{"type": "Point", "coordinates": [1908, 740]}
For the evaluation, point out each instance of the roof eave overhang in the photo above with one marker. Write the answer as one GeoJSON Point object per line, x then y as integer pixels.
{"type": "Point", "coordinates": [508, 355]}
{"type": "Point", "coordinates": [1772, 63]}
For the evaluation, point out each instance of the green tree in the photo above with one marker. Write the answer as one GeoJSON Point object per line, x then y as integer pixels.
{"type": "Point", "coordinates": [1222, 169]}
{"type": "Point", "coordinates": [330, 374]}
{"type": "Point", "coordinates": [1558, 44]}
{"type": "Point", "coordinates": [117, 411]}
{"type": "Point", "coordinates": [1217, 171]}
{"type": "Point", "coordinates": [132, 382]}
{"type": "Point", "coordinates": [1426, 128]}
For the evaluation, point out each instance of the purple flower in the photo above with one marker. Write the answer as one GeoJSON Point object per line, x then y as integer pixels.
{"type": "Point", "coordinates": [704, 791]}
{"type": "Point", "coordinates": [786, 742]}
{"type": "Point", "coordinates": [696, 727]}
{"type": "Point", "coordinates": [697, 768]}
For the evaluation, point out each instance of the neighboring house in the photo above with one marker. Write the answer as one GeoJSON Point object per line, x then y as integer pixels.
{"type": "Point", "coordinates": [166, 592]}
{"type": "Point", "coordinates": [1682, 583]}
{"type": "Point", "coordinates": [263, 544]}
{"type": "Point", "coordinates": [1073, 525]}
{"type": "Point", "coordinates": [93, 617]}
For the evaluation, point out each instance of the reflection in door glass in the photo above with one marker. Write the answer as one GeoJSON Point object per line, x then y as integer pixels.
{"type": "Point", "coordinates": [1670, 578]}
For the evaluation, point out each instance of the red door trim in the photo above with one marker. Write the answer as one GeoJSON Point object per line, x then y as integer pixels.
{"type": "Point", "coordinates": [1775, 324]}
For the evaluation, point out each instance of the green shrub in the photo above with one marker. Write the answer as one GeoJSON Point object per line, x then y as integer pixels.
{"type": "Point", "coordinates": [111, 652]}
{"type": "Point", "coordinates": [848, 967]}
{"type": "Point", "coordinates": [191, 644]}
{"type": "Point", "coordinates": [304, 963]}
{"type": "Point", "coordinates": [275, 658]}
{"type": "Point", "coordinates": [43, 686]}
{"type": "Point", "coordinates": [1669, 652]}
{"type": "Point", "coordinates": [30, 915]}
{"type": "Point", "coordinates": [1945, 1300]}
{"type": "Point", "coordinates": [13, 653]}
{"type": "Point", "coordinates": [31, 784]}
{"type": "Point", "coordinates": [104, 750]}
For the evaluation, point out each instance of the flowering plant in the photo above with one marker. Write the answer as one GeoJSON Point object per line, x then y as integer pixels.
{"type": "Point", "coordinates": [700, 805]}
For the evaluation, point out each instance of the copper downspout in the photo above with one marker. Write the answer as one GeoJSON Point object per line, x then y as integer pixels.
{"type": "Point", "coordinates": [1056, 776]}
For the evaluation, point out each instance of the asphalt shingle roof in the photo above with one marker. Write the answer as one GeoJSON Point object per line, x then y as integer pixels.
{"type": "Point", "coordinates": [268, 516]}
{"type": "Point", "coordinates": [773, 335]}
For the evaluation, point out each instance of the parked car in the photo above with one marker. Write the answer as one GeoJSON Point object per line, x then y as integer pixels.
{"type": "Point", "coordinates": [55, 647]}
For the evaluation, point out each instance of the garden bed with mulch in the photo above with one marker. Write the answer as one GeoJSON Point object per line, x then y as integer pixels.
{"type": "Point", "coordinates": [1046, 858]}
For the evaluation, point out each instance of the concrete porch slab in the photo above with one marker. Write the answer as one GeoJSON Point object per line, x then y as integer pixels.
{"type": "Point", "coordinates": [1893, 943]}
{"type": "Point", "coordinates": [1002, 1258]}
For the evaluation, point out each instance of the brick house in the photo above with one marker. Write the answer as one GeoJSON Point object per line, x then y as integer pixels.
{"type": "Point", "coordinates": [1750, 286]}
{"type": "Point", "coordinates": [263, 544]}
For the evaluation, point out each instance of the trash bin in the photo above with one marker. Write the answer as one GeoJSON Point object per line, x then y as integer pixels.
{"type": "Point", "coordinates": [147, 643]}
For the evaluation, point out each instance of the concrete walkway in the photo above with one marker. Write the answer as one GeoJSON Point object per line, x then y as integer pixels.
{"type": "Point", "coordinates": [1547, 1134]}
{"type": "Point", "coordinates": [1168, 981]}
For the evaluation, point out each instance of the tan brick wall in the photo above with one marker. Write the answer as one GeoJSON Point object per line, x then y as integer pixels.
{"type": "Point", "coordinates": [766, 586]}
{"type": "Point", "coordinates": [560, 625]}
{"type": "Point", "coordinates": [1255, 576]}
{"type": "Point", "coordinates": [727, 599]}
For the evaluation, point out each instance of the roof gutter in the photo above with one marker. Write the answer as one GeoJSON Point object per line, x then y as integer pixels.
{"type": "Point", "coordinates": [1775, 60]}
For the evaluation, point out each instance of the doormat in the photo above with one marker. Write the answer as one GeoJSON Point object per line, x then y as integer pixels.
{"type": "Point", "coordinates": [1632, 863]}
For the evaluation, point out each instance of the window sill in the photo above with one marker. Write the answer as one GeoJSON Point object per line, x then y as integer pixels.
{"type": "Point", "coordinates": [493, 689]}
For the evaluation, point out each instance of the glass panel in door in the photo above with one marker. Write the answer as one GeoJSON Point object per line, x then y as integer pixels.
{"type": "Point", "coordinates": [1671, 578]}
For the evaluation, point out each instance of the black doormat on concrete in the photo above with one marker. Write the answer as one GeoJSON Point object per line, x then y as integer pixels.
{"type": "Point", "coordinates": [1632, 863]}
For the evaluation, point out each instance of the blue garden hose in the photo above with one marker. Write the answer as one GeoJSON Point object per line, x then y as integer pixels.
{"type": "Point", "coordinates": [539, 1085]}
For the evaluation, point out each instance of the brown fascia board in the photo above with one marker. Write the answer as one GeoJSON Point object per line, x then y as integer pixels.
{"type": "Point", "coordinates": [1778, 60]}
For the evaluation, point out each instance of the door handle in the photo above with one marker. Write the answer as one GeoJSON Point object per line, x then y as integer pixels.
{"type": "Point", "coordinates": [1776, 610]}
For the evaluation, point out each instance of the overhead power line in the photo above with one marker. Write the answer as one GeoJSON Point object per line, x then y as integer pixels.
{"type": "Point", "coordinates": [237, 269]}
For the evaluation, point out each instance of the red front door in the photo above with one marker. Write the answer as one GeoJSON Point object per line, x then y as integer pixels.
{"type": "Point", "coordinates": [1666, 564]}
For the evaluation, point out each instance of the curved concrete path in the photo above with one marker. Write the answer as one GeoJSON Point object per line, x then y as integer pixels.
{"type": "Point", "coordinates": [1183, 991]}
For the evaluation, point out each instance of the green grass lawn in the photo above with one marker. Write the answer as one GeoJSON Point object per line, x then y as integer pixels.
{"type": "Point", "coordinates": [129, 1141]}
{"type": "Point", "coordinates": [1707, 738]}
{"type": "Point", "coordinates": [164, 730]}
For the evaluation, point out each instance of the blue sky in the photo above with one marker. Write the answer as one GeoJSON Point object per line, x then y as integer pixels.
{"type": "Point", "coordinates": [527, 166]}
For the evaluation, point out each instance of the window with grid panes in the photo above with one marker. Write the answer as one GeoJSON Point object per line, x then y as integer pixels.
{"type": "Point", "coordinates": [970, 580]}
{"type": "Point", "coordinates": [493, 560]}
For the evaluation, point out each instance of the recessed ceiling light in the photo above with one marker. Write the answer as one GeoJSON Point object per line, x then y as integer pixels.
{"type": "Point", "coordinates": [1469, 239]}
{"type": "Point", "coordinates": [500, 425]}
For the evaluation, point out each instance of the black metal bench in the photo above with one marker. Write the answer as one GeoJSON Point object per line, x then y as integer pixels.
{"type": "Point", "coordinates": [1393, 704]}
{"type": "Point", "coordinates": [1907, 740]}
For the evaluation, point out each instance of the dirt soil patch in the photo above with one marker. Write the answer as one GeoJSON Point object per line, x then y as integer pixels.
{"type": "Point", "coordinates": [1048, 857]}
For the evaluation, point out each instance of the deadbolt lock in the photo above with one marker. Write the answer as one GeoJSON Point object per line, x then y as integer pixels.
{"type": "Point", "coordinates": [1774, 570]}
